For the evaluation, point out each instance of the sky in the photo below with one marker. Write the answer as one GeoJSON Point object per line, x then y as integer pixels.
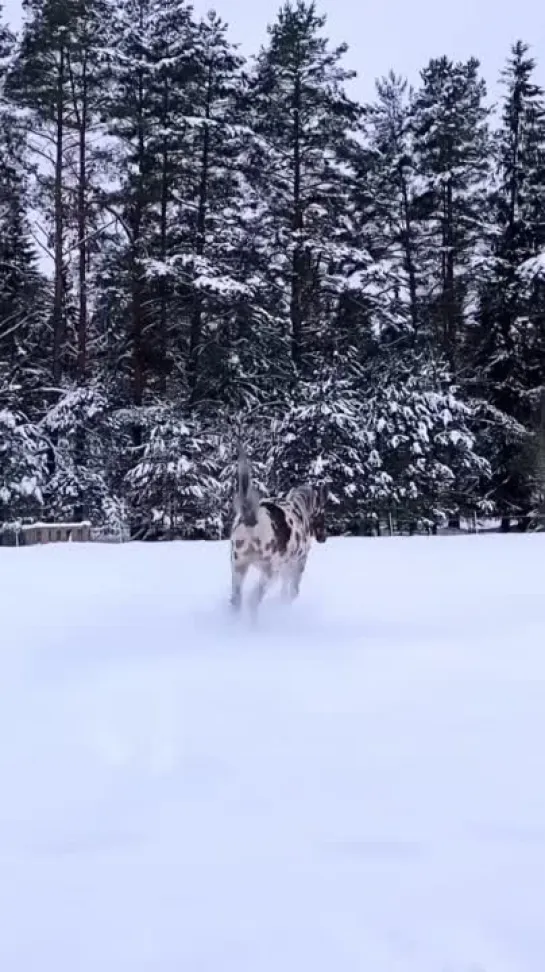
{"type": "Point", "coordinates": [396, 33]}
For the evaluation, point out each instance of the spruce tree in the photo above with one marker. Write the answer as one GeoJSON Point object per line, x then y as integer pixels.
{"type": "Point", "coordinates": [146, 116]}
{"type": "Point", "coordinates": [510, 338]}
{"type": "Point", "coordinates": [23, 292]}
{"type": "Point", "coordinates": [22, 289]}
{"type": "Point", "coordinates": [56, 79]}
{"type": "Point", "coordinates": [172, 51]}
{"type": "Point", "coordinates": [39, 82]}
{"type": "Point", "coordinates": [206, 242]}
{"type": "Point", "coordinates": [304, 121]}
{"type": "Point", "coordinates": [426, 457]}
{"type": "Point", "coordinates": [358, 293]}
{"type": "Point", "coordinates": [7, 43]}
{"type": "Point", "coordinates": [387, 204]}
{"type": "Point", "coordinates": [452, 149]}
{"type": "Point", "coordinates": [321, 439]}
{"type": "Point", "coordinates": [183, 259]}
{"type": "Point", "coordinates": [22, 468]}
{"type": "Point", "coordinates": [88, 82]}
{"type": "Point", "coordinates": [173, 487]}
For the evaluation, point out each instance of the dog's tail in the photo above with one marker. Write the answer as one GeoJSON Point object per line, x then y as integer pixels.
{"type": "Point", "coordinates": [247, 498]}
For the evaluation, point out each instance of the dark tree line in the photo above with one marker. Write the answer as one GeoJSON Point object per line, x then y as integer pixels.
{"type": "Point", "coordinates": [195, 247]}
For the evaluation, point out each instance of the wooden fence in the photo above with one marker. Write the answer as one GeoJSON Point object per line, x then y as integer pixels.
{"type": "Point", "coordinates": [29, 534]}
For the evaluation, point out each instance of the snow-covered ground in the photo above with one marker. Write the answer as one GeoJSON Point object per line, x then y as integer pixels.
{"type": "Point", "coordinates": [356, 786]}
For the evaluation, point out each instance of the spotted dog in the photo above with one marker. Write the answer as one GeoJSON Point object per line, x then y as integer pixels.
{"type": "Point", "coordinates": [274, 535]}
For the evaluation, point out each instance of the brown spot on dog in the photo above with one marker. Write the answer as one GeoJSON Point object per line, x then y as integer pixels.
{"type": "Point", "coordinates": [280, 525]}
{"type": "Point", "coordinates": [239, 542]}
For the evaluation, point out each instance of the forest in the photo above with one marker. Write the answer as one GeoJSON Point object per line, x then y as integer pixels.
{"type": "Point", "coordinates": [198, 249]}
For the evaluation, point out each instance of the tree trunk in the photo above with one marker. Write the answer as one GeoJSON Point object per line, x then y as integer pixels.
{"type": "Point", "coordinates": [408, 249]}
{"type": "Point", "coordinates": [82, 232]}
{"type": "Point", "coordinates": [138, 376]}
{"type": "Point", "coordinates": [296, 315]}
{"type": "Point", "coordinates": [541, 450]}
{"type": "Point", "coordinates": [514, 187]}
{"type": "Point", "coordinates": [163, 316]}
{"type": "Point", "coordinates": [451, 316]}
{"type": "Point", "coordinates": [136, 328]}
{"type": "Point", "coordinates": [195, 335]}
{"type": "Point", "coordinates": [58, 300]}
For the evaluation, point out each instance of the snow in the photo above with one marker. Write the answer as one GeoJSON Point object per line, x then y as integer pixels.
{"type": "Point", "coordinates": [356, 784]}
{"type": "Point", "coordinates": [534, 267]}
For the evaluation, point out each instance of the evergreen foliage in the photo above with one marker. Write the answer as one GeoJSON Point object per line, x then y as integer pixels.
{"type": "Point", "coordinates": [197, 250]}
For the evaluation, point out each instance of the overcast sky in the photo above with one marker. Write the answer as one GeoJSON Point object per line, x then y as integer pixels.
{"type": "Point", "coordinates": [399, 34]}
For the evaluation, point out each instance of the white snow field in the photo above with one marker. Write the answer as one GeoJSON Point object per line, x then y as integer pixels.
{"type": "Point", "coordinates": [358, 785]}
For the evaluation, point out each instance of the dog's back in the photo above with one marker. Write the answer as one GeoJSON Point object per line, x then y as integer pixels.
{"type": "Point", "coordinates": [275, 535]}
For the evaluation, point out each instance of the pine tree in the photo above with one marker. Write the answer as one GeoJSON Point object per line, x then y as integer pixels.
{"type": "Point", "coordinates": [147, 111]}
{"type": "Point", "coordinates": [356, 293]}
{"type": "Point", "coordinates": [172, 51]}
{"type": "Point", "coordinates": [425, 458]}
{"type": "Point", "coordinates": [22, 468]}
{"type": "Point", "coordinates": [22, 291]}
{"type": "Point", "coordinates": [55, 78]}
{"type": "Point", "coordinates": [208, 239]}
{"type": "Point", "coordinates": [452, 147]}
{"type": "Point", "coordinates": [88, 79]}
{"type": "Point", "coordinates": [7, 42]}
{"type": "Point", "coordinates": [511, 335]}
{"type": "Point", "coordinates": [304, 121]}
{"type": "Point", "coordinates": [23, 294]}
{"type": "Point", "coordinates": [39, 82]}
{"type": "Point", "coordinates": [321, 440]}
{"type": "Point", "coordinates": [78, 484]}
{"type": "Point", "coordinates": [191, 277]}
{"type": "Point", "coordinates": [173, 486]}
{"type": "Point", "coordinates": [386, 199]}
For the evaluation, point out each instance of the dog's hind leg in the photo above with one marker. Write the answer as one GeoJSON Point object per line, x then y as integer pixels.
{"type": "Point", "coordinates": [238, 573]}
{"type": "Point", "coordinates": [287, 584]}
{"type": "Point", "coordinates": [259, 591]}
{"type": "Point", "coordinates": [295, 578]}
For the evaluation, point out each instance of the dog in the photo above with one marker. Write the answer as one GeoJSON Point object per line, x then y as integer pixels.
{"type": "Point", "coordinates": [274, 535]}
